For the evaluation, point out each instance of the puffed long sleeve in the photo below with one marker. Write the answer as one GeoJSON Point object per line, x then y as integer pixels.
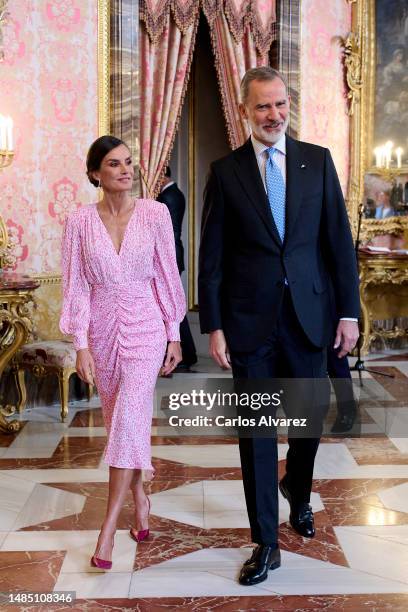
{"type": "Point", "coordinates": [168, 289]}
{"type": "Point", "coordinates": [75, 314]}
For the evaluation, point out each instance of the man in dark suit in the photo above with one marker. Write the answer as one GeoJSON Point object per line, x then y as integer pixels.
{"type": "Point", "coordinates": [275, 233]}
{"type": "Point", "coordinates": [174, 199]}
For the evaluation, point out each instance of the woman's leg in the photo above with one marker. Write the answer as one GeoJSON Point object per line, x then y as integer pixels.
{"type": "Point", "coordinates": [119, 483]}
{"type": "Point", "coordinates": [140, 501]}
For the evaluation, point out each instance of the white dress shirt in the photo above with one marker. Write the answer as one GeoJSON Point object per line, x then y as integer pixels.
{"type": "Point", "coordinates": [280, 160]}
{"type": "Point", "coordinates": [168, 185]}
{"type": "Point", "coordinates": [262, 156]}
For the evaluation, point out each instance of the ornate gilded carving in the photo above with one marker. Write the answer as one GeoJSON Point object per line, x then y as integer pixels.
{"type": "Point", "coordinates": [379, 270]}
{"type": "Point", "coordinates": [39, 371]}
{"type": "Point", "coordinates": [352, 63]}
{"type": "Point", "coordinates": [392, 225]}
{"type": "Point", "coordinates": [6, 257]}
{"type": "Point", "coordinates": [3, 21]}
{"type": "Point", "coordinates": [15, 326]}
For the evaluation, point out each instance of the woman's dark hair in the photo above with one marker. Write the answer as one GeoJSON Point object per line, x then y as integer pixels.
{"type": "Point", "coordinates": [97, 152]}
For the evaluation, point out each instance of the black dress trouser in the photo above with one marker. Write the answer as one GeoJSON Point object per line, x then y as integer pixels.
{"type": "Point", "coordinates": [287, 354]}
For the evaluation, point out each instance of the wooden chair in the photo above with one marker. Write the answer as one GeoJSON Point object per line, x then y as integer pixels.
{"type": "Point", "coordinates": [50, 353]}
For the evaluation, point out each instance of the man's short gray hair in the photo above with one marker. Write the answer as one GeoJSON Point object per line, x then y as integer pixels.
{"type": "Point", "coordinates": [262, 73]}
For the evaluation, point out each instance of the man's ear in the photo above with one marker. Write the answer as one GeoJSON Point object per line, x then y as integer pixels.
{"type": "Point", "coordinates": [243, 111]}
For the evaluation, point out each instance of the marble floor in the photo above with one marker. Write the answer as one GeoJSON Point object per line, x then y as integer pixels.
{"type": "Point", "coordinates": [53, 494]}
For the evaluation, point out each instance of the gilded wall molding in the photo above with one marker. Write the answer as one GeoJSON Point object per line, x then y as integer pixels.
{"type": "Point", "coordinates": [103, 67]}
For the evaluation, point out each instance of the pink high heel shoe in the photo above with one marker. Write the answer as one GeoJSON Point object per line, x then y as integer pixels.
{"type": "Point", "coordinates": [143, 534]}
{"type": "Point", "coordinates": [101, 563]}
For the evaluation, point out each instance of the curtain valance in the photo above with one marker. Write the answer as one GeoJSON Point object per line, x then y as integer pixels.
{"type": "Point", "coordinates": [257, 15]}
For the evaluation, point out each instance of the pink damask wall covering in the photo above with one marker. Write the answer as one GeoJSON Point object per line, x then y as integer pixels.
{"type": "Point", "coordinates": [323, 104]}
{"type": "Point", "coordinates": [48, 85]}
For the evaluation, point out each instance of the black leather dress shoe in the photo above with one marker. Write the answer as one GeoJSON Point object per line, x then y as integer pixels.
{"type": "Point", "coordinates": [343, 423]}
{"type": "Point", "coordinates": [301, 515]}
{"type": "Point", "coordinates": [255, 569]}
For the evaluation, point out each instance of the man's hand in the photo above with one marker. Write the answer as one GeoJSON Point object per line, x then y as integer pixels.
{"type": "Point", "coordinates": [173, 357]}
{"type": "Point", "coordinates": [219, 350]}
{"type": "Point", "coordinates": [85, 366]}
{"type": "Point", "coordinates": [346, 337]}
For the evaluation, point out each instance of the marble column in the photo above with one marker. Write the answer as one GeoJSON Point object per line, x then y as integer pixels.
{"type": "Point", "coordinates": [289, 56]}
{"type": "Point", "coordinates": [124, 75]}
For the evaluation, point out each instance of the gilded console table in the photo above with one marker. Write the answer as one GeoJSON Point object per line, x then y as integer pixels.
{"type": "Point", "coordinates": [15, 325]}
{"type": "Point", "coordinates": [383, 293]}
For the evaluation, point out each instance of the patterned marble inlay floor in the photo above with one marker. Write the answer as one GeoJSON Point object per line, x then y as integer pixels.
{"type": "Point", "coordinates": [53, 496]}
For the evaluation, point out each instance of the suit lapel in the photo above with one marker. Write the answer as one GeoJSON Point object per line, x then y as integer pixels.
{"type": "Point", "coordinates": [295, 167]}
{"type": "Point", "coordinates": [248, 174]}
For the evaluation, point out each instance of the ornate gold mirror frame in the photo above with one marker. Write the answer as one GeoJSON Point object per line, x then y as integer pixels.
{"type": "Point", "coordinates": [360, 63]}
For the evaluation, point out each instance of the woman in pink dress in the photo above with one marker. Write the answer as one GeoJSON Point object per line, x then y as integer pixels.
{"type": "Point", "coordinates": [123, 303]}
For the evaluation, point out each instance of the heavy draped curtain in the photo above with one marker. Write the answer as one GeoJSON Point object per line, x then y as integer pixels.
{"type": "Point", "coordinates": [241, 32]}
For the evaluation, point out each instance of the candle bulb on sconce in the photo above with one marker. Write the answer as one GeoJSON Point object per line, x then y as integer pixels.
{"type": "Point", "coordinates": [378, 156]}
{"type": "Point", "coordinates": [398, 153]}
{"type": "Point", "coordinates": [384, 158]}
{"type": "Point", "coordinates": [388, 155]}
{"type": "Point", "coordinates": [6, 141]}
{"type": "Point", "coordinates": [9, 133]}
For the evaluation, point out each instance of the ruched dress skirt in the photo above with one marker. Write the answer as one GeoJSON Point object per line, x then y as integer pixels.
{"type": "Point", "coordinates": [124, 307]}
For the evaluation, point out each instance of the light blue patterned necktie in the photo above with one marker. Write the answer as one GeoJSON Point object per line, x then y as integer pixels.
{"type": "Point", "coordinates": [276, 190]}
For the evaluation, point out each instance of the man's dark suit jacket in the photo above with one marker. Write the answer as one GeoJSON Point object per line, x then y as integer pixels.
{"type": "Point", "coordinates": [174, 199]}
{"type": "Point", "coordinates": [243, 263]}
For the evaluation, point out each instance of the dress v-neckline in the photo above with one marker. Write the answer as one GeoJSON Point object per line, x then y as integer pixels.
{"type": "Point", "coordinates": [108, 234]}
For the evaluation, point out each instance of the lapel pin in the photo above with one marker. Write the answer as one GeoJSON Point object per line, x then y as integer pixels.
{"type": "Point", "coordinates": [303, 166]}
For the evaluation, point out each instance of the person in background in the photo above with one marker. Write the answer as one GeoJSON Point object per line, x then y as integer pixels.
{"type": "Point", "coordinates": [172, 196]}
{"type": "Point", "coordinates": [383, 205]}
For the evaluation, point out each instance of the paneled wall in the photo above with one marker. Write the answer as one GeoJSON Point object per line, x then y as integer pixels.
{"type": "Point", "coordinates": [48, 85]}
{"type": "Point", "coordinates": [323, 118]}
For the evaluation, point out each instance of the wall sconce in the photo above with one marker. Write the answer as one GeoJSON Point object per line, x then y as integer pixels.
{"type": "Point", "coordinates": [6, 159]}
{"type": "Point", "coordinates": [384, 157]}
{"type": "Point", "coordinates": [6, 142]}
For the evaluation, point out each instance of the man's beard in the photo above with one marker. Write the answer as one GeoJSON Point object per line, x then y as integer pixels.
{"type": "Point", "coordinates": [273, 137]}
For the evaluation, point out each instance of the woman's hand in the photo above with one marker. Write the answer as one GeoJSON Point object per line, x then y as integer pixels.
{"type": "Point", "coordinates": [85, 366]}
{"type": "Point", "coordinates": [173, 357]}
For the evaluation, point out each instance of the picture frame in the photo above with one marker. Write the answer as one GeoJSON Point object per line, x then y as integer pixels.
{"type": "Point", "coordinates": [375, 84]}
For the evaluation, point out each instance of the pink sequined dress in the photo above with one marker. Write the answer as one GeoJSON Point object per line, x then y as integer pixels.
{"type": "Point", "coordinates": [124, 307]}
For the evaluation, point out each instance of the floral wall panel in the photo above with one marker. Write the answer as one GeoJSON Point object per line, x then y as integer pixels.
{"type": "Point", "coordinates": [322, 101]}
{"type": "Point", "coordinates": [48, 84]}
